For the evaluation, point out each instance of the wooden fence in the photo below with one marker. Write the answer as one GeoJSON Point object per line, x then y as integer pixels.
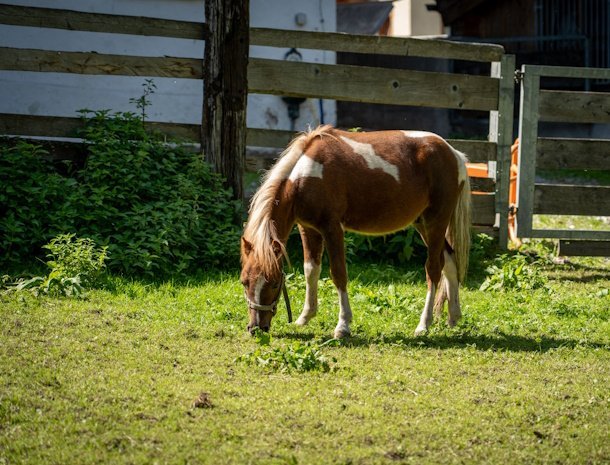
{"type": "Point", "coordinates": [538, 153]}
{"type": "Point", "coordinates": [493, 94]}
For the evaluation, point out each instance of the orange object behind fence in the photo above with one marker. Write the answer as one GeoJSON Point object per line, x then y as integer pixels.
{"type": "Point", "coordinates": [481, 170]}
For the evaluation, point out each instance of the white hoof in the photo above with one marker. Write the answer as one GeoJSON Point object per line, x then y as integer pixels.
{"type": "Point", "coordinates": [421, 331]}
{"type": "Point", "coordinates": [342, 331]}
{"type": "Point", "coordinates": [304, 318]}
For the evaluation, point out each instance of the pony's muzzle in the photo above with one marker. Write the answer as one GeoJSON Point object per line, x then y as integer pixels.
{"type": "Point", "coordinates": [259, 319]}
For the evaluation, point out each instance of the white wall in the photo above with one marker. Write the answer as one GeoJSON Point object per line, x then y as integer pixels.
{"type": "Point", "coordinates": [412, 18]}
{"type": "Point", "coordinates": [175, 100]}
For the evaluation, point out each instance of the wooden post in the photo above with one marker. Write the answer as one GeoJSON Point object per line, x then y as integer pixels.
{"type": "Point", "coordinates": [223, 130]}
{"type": "Point", "coordinates": [528, 139]}
{"type": "Point", "coordinates": [501, 132]}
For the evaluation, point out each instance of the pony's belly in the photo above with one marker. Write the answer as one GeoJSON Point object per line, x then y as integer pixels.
{"type": "Point", "coordinates": [378, 225]}
{"type": "Point", "coordinates": [384, 214]}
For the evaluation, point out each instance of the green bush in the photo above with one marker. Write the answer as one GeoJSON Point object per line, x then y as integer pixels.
{"type": "Point", "coordinates": [32, 198]}
{"type": "Point", "coordinates": [158, 207]}
{"type": "Point", "coordinates": [513, 272]}
{"type": "Point", "coordinates": [75, 264]}
{"type": "Point", "coordinates": [70, 256]}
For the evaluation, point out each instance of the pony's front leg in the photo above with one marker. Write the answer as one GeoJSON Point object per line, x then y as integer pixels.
{"type": "Point", "coordinates": [338, 271]}
{"type": "Point", "coordinates": [313, 246]}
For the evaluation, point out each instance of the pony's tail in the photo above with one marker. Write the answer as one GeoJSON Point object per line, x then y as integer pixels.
{"type": "Point", "coordinates": [458, 233]}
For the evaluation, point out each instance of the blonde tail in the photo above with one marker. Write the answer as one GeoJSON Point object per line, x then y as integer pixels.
{"type": "Point", "coordinates": [458, 236]}
{"type": "Point", "coordinates": [458, 233]}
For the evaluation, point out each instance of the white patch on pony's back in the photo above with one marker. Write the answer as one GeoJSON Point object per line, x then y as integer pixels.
{"type": "Point", "coordinates": [461, 158]}
{"type": "Point", "coordinates": [306, 168]}
{"type": "Point", "coordinates": [373, 161]}
{"type": "Point", "coordinates": [418, 134]}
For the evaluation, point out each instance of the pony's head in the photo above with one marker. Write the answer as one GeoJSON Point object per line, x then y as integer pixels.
{"type": "Point", "coordinates": [262, 280]}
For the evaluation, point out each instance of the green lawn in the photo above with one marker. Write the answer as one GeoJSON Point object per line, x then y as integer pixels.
{"type": "Point", "coordinates": [113, 378]}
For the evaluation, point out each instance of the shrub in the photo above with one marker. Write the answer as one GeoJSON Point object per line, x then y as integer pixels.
{"type": "Point", "coordinates": [513, 272]}
{"type": "Point", "coordinates": [70, 256]}
{"type": "Point", "coordinates": [161, 207]}
{"type": "Point", "coordinates": [32, 194]}
{"type": "Point", "coordinates": [157, 207]}
{"type": "Point", "coordinates": [75, 264]}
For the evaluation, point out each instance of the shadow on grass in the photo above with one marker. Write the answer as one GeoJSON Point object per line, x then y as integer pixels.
{"type": "Point", "coordinates": [498, 342]}
{"type": "Point", "coordinates": [579, 273]}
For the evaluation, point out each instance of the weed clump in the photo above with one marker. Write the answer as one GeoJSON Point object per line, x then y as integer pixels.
{"type": "Point", "coordinates": [513, 272]}
{"type": "Point", "coordinates": [75, 264]}
{"type": "Point", "coordinates": [297, 357]}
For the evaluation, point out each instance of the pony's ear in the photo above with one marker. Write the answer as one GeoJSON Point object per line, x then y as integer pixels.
{"type": "Point", "coordinates": [246, 246]}
{"type": "Point", "coordinates": [278, 250]}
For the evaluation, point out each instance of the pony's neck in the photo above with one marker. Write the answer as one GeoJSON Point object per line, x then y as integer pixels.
{"type": "Point", "coordinates": [282, 213]}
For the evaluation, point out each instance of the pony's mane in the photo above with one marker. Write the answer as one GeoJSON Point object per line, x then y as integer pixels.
{"type": "Point", "coordinates": [260, 230]}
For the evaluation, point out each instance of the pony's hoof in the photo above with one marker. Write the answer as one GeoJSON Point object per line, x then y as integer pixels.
{"type": "Point", "coordinates": [341, 332]}
{"type": "Point", "coordinates": [421, 331]}
{"type": "Point", "coordinates": [301, 321]}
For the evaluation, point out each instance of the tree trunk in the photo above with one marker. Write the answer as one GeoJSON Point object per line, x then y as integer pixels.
{"type": "Point", "coordinates": [223, 132]}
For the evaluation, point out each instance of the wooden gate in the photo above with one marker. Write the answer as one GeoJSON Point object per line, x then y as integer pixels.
{"type": "Point", "coordinates": [544, 153]}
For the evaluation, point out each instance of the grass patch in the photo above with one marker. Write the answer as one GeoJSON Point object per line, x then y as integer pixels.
{"type": "Point", "coordinates": [151, 373]}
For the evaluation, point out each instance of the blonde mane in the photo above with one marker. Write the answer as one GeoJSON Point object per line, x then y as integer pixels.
{"type": "Point", "coordinates": [260, 230]}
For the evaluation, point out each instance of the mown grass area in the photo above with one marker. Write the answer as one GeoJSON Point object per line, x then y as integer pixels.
{"type": "Point", "coordinates": [149, 373]}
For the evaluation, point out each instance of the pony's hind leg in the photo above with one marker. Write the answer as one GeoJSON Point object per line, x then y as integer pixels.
{"type": "Point", "coordinates": [333, 236]}
{"type": "Point", "coordinates": [313, 246]}
{"type": "Point", "coordinates": [449, 290]}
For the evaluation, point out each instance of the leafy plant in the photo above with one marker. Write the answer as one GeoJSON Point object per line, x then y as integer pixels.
{"type": "Point", "coordinates": [71, 256]}
{"type": "Point", "coordinates": [158, 207]}
{"type": "Point", "coordinates": [75, 264]}
{"type": "Point", "coordinates": [143, 101]}
{"type": "Point", "coordinates": [33, 202]}
{"type": "Point", "coordinates": [299, 357]}
{"type": "Point", "coordinates": [513, 272]}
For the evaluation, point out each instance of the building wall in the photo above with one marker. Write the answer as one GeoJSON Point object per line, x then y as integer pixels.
{"type": "Point", "coordinates": [175, 100]}
{"type": "Point", "coordinates": [408, 17]}
{"type": "Point", "coordinates": [412, 18]}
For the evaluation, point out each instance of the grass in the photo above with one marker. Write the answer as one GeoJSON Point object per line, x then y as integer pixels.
{"type": "Point", "coordinates": [155, 373]}
{"type": "Point", "coordinates": [596, 223]}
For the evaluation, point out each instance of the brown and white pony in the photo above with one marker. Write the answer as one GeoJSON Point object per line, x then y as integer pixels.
{"type": "Point", "coordinates": [329, 181]}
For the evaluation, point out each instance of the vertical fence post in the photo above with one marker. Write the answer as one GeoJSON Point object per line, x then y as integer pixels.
{"type": "Point", "coordinates": [501, 132]}
{"type": "Point", "coordinates": [225, 91]}
{"type": "Point", "coordinates": [528, 138]}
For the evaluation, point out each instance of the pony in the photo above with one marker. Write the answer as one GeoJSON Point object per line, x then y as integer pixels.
{"type": "Point", "coordinates": [328, 181]}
